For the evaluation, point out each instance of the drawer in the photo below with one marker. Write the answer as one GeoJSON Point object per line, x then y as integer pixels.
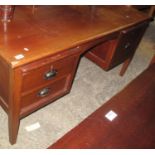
{"type": "Point", "coordinates": [46, 94]}
{"type": "Point", "coordinates": [117, 49]}
{"type": "Point", "coordinates": [42, 73]}
{"type": "Point", "coordinates": [127, 44]}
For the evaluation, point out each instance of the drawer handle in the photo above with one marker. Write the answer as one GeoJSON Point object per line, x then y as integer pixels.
{"type": "Point", "coordinates": [50, 74]}
{"type": "Point", "coordinates": [44, 92]}
{"type": "Point", "coordinates": [127, 45]}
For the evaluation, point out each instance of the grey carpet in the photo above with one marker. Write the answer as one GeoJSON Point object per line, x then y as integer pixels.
{"type": "Point", "coordinates": [92, 87]}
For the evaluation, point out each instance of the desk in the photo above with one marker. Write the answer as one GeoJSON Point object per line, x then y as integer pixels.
{"type": "Point", "coordinates": [40, 50]}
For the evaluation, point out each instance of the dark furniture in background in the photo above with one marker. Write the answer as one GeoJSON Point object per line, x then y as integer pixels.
{"type": "Point", "coordinates": [132, 128]}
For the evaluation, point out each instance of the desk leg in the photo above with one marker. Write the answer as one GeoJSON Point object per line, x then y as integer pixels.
{"type": "Point", "coordinates": [125, 66]}
{"type": "Point", "coordinates": [14, 105]}
{"type": "Point", "coordinates": [13, 123]}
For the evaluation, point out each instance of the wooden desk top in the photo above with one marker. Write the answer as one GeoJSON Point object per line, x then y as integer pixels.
{"type": "Point", "coordinates": [52, 29]}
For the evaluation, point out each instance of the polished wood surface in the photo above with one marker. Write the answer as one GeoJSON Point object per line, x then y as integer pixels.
{"type": "Point", "coordinates": [132, 128]}
{"type": "Point", "coordinates": [68, 27]}
{"type": "Point", "coordinates": [40, 49]}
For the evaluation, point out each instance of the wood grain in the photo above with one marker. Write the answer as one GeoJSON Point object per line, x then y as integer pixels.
{"type": "Point", "coordinates": [68, 27]}
{"type": "Point", "coordinates": [46, 37]}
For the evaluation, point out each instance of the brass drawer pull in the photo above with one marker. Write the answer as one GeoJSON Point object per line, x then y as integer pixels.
{"type": "Point", "coordinates": [44, 92]}
{"type": "Point", "coordinates": [51, 74]}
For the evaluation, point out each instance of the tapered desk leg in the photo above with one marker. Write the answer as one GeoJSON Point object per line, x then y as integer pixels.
{"type": "Point", "coordinates": [125, 66]}
{"type": "Point", "coordinates": [13, 123]}
{"type": "Point", "coordinates": [14, 105]}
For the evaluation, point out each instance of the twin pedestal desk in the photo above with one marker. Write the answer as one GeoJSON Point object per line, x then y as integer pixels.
{"type": "Point", "coordinates": [40, 50]}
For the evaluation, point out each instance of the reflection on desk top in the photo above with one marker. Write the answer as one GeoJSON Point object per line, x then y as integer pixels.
{"type": "Point", "coordinates": [46, 30]}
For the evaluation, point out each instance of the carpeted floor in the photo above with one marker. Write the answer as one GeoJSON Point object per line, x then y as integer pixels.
{"type": "Point", "coordinates": [91, 88]}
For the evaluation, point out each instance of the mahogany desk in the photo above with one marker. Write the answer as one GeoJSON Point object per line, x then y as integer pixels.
{"type": "Point", "coordinates": [40, 51]}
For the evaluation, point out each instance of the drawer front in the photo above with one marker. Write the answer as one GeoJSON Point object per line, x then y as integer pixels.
{"type": "Point", "coordinates": [127, 44]}
{"type": "Point", "coordinates": [45, 73]}
{"type": "Point", "coordinates": [46, 94]}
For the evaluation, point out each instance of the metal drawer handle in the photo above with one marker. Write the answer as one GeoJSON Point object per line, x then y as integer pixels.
{"type": "Point", "coordinates": [44, 92]}
{"type": "Point", "coordinates": [50, 74]}
{"type": "Point", "coordinates": [127, 45]}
